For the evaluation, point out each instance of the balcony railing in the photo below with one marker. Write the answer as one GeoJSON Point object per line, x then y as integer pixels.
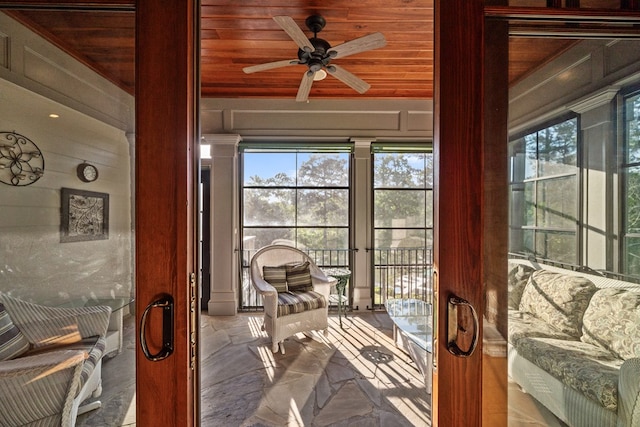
{"type": "Point", "coordinates": [402, 273]}
{"type": "Point", "coordinates": [323, 258]}
{"type": "Point", "coordinates": [398, 273]}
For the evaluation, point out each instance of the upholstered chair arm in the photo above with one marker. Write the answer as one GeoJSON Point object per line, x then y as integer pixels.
{"type": "Point", "coordinates": [629, 393]}
{"type": "Point", "coordinates": [269, 295]}
{"type": "Point", "coordinates": [44, 325]}
{"type": "Point", "coordinates": [263, 287]}
{"type": "Point", "coordinates": [40, 389]}
{"type": "Point", "coordinates": [323, 284]}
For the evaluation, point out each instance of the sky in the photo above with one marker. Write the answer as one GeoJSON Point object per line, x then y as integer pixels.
{"type": "Point", "coordinates": [266, 165]}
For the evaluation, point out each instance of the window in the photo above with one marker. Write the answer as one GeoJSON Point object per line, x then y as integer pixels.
{"type": "Point", "coordinates": [631, 179]}
{"type": "Point", "coordinates": [544, 192]}
{"type": "Point", "coordinates": [297, 196]}
{"type": "Point", "coordinates": [403, 222]}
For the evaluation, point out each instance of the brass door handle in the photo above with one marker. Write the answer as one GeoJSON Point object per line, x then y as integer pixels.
{"type": "Point", "coordinates": [166, 303]}
{"type": "Point", "coordinates": [457, 328]}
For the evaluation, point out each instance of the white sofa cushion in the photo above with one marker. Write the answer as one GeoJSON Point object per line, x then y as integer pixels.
{"type": "Point", "coordinates": [558, 299]}
{"type": "Point", "coordinates": [612, 321]}
{"type": "Point", "coordinates": [518, 276]}
{"type": "Point", "coordinates": [526, 325]}
{"type": "Point", "coordinates": [589, 369]}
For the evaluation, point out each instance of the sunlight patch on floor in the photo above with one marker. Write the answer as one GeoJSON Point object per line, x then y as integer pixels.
{"type": "Point", "coordinates": [266, 355]}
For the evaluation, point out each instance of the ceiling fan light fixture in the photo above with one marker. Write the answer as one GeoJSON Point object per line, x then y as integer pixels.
{"type": "Point", "coordinates": [317, 53]}
{"type": "Point", "coordinates": [319, 75]}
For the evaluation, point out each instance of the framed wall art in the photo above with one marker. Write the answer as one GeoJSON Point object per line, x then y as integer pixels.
{"type": "Point", "coordinates": [84, 215]}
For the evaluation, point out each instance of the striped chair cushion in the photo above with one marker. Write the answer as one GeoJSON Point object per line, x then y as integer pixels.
{"type": "Point", "coordinates": [298, 301]}
{"type": "Point", "coordinates": [299, 277]}
{"type": "Point", "coordinates": [93, 347]}
{"type": "Point", "coordinates": [276, 277]}
{"type": "Point", "coordinates": [12, 342]}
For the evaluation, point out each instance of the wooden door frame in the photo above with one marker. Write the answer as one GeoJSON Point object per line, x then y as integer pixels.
{"type": "Point", "coordinates": [458, 201]}
{"type": "Point", "coordinates": [166, 170]}
{"type": "Point", "coordinates": [167, 132]}
{"type": "Point", "coordinates": [471, 198]}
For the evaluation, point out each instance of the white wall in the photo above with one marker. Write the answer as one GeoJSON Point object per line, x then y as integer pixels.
{"type": "Point", "coordinates": [34, 263]}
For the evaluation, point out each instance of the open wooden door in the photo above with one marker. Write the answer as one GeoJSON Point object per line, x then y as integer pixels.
{"type": "Point", "coordinates": [167, 173]}
{"type": "Point", "coordinates": [471, 197]}
{"type": "Point", "coordinates": [458, 212]}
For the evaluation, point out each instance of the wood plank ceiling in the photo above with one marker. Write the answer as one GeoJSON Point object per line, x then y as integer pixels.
{"type": "Point", "coordinates": [236, 34]}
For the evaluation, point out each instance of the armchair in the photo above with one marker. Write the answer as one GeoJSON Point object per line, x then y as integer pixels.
{"type": "Point", "coordinates": [289, 311]}
{"type": "Point", "coordinates": [61, 367]}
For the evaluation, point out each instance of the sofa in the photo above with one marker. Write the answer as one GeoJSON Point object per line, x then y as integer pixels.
{"type": "Point", "coordinates": [574, 343]}
{"type": "Point", "coordinates": [50, 362]}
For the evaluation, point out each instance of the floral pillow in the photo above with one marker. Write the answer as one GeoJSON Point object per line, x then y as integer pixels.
{"type": "Point", "coordinates": [612, 321]}
{"type": "Point", "coordinates": [518, 277]}
{"type": "Point", "coordinates": [558, 299]}
{"type": "Point", "coordinates": [276, 277]}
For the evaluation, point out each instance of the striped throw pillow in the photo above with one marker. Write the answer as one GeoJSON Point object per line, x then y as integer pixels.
{"type": "Point", "coordinates": [12, 342]}
{"type": "Point", "coordinates": [299, 277]}
{"type": "Point", "coordinates": [276, 277]}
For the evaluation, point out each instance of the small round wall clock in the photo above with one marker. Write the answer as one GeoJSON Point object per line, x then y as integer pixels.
{"type": "Point", "coordinates": [87, 172]}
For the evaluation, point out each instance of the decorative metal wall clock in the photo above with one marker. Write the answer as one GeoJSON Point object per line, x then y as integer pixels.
{"type": "Point", "coordinates": [21, 161]}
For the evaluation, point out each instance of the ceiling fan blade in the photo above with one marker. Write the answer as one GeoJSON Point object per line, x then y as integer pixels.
{"type": "Point", "coordinates": [305, 86]}
{"type": "Point", "coordinates": [269, 66]}
{"type": "Point", "coordinates": [361, 44]}
{"type": "Point", "coordinates": [350, 79]}
{"type": "Point", "coordinates": [297, 35]}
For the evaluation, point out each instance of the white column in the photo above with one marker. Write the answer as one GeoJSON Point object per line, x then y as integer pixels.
{"type": "Point", "coordinates": [600, 245]}
{"type": "Point", "coordinates": [224, 224]}
{"type": "Point", "coordinates": [361, 278]}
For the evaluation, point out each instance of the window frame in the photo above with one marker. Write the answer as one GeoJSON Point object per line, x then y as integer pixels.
{"type": "Point", "coordinates": [401, 263]}
{"type": "Point", "coordinates": [297, 149]}
{"type": "Point", "coordinates": [624, 166]}
{"type": "Point", "coordinates": [540, 179]}
{"type": "Point", "coordinates": [324, 258]}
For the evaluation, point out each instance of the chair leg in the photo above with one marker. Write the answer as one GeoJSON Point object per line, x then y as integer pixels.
{"type": "Point", "coordinates": [282, 346]}
{"type": "Point", "coordinates": [91, 406]}
{"type": "Point", "coordinates": [274, 347]}
{"type": "Point", "coordinates": [98, 391]}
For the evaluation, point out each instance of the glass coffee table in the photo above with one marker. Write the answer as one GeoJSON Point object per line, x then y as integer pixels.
{"type": "Point", "coordinates": [413, 333]}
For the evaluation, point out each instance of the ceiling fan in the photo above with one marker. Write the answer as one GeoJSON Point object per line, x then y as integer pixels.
{"type": "Point", "coordinates": [317, 55]}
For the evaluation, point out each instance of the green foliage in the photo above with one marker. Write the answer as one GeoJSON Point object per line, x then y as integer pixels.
{"type": "Point", "coordinates": [402, 197]}
{"type": "Point", "coordinates": [324, 202]}
{"type": "Point", "coordinates": [313, 206]}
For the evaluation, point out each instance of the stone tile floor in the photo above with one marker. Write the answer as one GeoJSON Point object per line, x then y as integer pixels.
{"type": "Point", "coordinates": [353, 377]}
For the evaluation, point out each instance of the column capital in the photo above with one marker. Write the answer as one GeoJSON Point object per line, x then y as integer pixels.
{"type": "Point", "coordinates": [221, 139]}
{"type": "Point", "coordinates": [595, 100]}
{"type": "Point", "coordinates": [222, 145]}
{"type": "Point", "coordinates": [362, 142]}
